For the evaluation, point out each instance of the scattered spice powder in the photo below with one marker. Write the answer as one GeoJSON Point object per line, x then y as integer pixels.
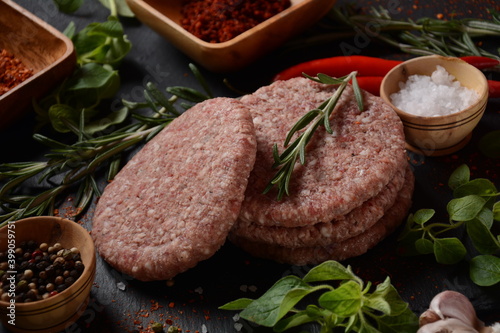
{"type": "Point", "coordinates": [217, 21]}
{"type": "Point", "coordinates": [12, 71]}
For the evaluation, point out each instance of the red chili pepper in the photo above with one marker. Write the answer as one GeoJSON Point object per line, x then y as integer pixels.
{"type": "Point", "coordinates": [364, 65]}
{"type": "Point", "coordinates": [481, 62]}
{"type": "Point", "coordinates": [494, 89]}
{"type": "Point", "coordinates": [340, 66]}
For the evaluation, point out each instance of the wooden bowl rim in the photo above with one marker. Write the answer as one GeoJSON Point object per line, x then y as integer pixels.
{"type": "Point", "coordinates": [477, 105]}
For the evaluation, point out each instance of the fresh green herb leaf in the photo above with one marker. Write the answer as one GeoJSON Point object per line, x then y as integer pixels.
{"type": "Point", "coordinates": [238, 304]}
{"type": "Point", "coordinates": [424, 246]}
{"type": "Point", "coordinates": [328, 270]}
{"type": "Point", "coordinates": [344, 301]}
{"type": "Point", "coordinates": [489, 144]}
{"type": "Point", "coordinates": [118, 7]}
{"type": "Point", "coordinates": [465, 208]}
{"type": "Point", "coordinates": [277, 301]}
{"type": "Point", "coordinates": [476, 208]}
{"type": "Point", "coordinates": [68, 6]}
{"type": "Point", "coordinates": [449, 250]}
{"type": "Point", "coordinates": [459, 177]}
{"type": "Point", "coordinates": [485, 270]}
{"type": "Point", "coordinates": [481, 236]}
{"type": "Point", "coordinates": [349, 305]}
{"type": "Point", "coordinates": [423, 215]}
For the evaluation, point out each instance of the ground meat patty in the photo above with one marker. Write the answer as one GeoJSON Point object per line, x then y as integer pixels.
{"type": "Point", "coordinates": [320, 234]}
{"type": "Point", "coordinates": [342, 170]}
{"type": "Point", "coordinates": [351, 247]}
{"type": "Point", "coordinates": [175, 201]}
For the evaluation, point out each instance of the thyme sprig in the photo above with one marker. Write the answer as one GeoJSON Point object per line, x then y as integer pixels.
{"type": "Point", "coordinates": [310, 122]}
{"type": "Point", "coordinates": [70, 165]}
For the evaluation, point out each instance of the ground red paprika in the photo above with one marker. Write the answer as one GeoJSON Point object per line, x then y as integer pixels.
{"type": "Point", "coordinates": [217, 21]}
{"type": "Point", "coordinates": [12, 71]}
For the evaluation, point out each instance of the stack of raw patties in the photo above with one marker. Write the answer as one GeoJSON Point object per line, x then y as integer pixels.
{"type": "Point", "coordinates": [354, 190]}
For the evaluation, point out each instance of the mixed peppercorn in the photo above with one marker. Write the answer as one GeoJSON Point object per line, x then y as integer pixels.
{"type": "Point", "coordinates": [217, 21]}
{"type": "Point", "coordinates": [41, 271]}
{"type": "Point", "coordinates": [12, 71]}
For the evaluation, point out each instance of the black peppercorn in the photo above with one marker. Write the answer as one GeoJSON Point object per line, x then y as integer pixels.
{"type": "Point", "coordinates": [43, 271]}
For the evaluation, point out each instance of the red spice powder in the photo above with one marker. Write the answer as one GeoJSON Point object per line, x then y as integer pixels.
{"type": "Point", "coordinates": [217, 21]}
{"type": "Point", "coordinates": [12, 71]}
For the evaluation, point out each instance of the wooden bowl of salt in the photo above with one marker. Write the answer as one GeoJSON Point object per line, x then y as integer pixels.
{"type": "Point", "coordinates": [440, 100]}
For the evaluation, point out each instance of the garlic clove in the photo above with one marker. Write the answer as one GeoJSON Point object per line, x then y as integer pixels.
{"type": "Point", "coordinates": [428, 317]}
{"type": "Point", "coordinates": [451, 304]}
{"type": "Point", "coordinates": [448, 325]}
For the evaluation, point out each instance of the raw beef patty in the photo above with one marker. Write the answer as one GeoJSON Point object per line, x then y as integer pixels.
{"type": "Point", "coordinates": [174, 202]}
{"type": "Point", "coordinates": [322, 234]}
{"type": "Point", "coordinates": [351, 247]}
{"type": "Point", "coordinates": [342, 170]}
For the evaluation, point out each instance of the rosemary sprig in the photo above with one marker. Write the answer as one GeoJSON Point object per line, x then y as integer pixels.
{"type": "Point", "coordinates": [425, 36]}
{"type": "Point", "coordinates": [77, 164]}
{"type": "Point", "coordinates": [310, 122]}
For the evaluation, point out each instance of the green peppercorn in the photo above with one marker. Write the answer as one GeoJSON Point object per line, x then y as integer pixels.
{"type": "Point", "coordinates": [173, 329]}
{"type": "Point", "coordinates": [157, 327]}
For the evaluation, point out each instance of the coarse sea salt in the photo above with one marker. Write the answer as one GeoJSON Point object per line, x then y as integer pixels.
{"type": "Point", "coordinates": [436, 95]}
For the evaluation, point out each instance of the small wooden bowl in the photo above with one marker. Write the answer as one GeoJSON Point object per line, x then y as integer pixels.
{"type": "Point", "coordinates": [164, 17]}
{"type": "Point", "coordinates": [60, 311]}
{"type": "Point", "coordinates": [40, 47]}
{"type": "Point", "coordinates": [440, 135]}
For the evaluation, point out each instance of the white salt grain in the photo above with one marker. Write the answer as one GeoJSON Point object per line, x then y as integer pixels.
{"type": "Point", "coordinates": [436, 95]}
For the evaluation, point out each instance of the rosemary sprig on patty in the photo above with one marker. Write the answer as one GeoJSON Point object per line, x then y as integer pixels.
{"type": "Point", "coordinates": [310, 122]}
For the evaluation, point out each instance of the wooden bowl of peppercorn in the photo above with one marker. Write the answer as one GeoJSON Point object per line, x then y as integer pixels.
{"type": "Point", "coordinates": [52, 261]}
{"type": "Point", "coordinates": [34, 58]}
{"type": "Point", "coordinates": [198, 28]}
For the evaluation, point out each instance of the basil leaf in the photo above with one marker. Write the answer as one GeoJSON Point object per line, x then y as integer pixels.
{"type": "Point", "coordinates": [59, 114]}
{"type": "Point", "coordinates": [68, 6]}
{"type": "Point", "coordinates": [345, 301]}
{"type": "Point", "coordinates": [398, 305]}
{"type": "Point", "coordinates": [91, 76]}
{"type": "Point", "coordinates": [485, 270]}
{"type": "Point", "coordinates": [238, 304]}
{"type": "Point", "coordinates": [406, 321]}
{"type": "Point", "coordinates": [327, 271]}
{"type": "Point", "coordinates": [379, 304]}
{"type": "Point", "coordinates": [295, 320]}
{"type": "Point", "coordinates": [111, 119]}
{"type": "Point", "coordinates": [465, 208]}
{"type": "Point", "coordinates": [277, 301]}
{"type": "Point", "coordinates": [449, 250]}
